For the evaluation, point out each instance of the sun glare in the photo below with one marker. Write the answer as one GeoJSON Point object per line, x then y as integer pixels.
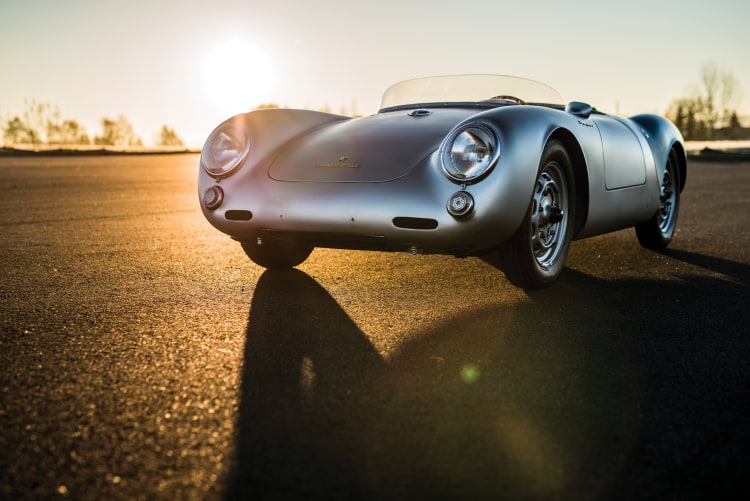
{"type": "Point", "coordinates": [238, 76]}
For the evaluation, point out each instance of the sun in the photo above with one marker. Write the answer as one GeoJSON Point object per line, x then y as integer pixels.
{"type": "Point", "coordinates": [238, 76]}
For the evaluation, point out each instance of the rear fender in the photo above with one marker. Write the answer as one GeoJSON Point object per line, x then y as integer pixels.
{"type": "Point", "coordinates": [662, 137]}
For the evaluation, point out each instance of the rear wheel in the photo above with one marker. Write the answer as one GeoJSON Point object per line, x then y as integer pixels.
{"type": "Point", "coordinates": [657, 232]}
{"type": "Point", "coordinates": [276, 255]}
{"type": "Point", "coordinates": [535, 255]}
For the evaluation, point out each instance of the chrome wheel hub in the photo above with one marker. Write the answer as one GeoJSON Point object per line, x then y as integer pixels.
{"type": "Point", "coordinates": [665, 214]}
{"type": "Point", "coordinates": [549, 217]}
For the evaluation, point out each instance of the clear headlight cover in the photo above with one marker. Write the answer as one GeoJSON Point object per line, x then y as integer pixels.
{"type": "Point", "coordinates": [469, 152]}
{"type": "Point", "coordinates": [225, 149]}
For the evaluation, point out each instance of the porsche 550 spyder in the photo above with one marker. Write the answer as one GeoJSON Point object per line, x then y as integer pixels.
{"type": "Point", "coordinates": [461, 165]}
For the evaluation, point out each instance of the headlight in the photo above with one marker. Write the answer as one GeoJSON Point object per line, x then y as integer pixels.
{"type": "Point", "coordinates": [225, 149]}
{"type": "Point", "coordinates": [469, 152]}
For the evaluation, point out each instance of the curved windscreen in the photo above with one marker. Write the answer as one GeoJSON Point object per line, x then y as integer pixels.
{"type": "Point", "coordinates": [467, 89]}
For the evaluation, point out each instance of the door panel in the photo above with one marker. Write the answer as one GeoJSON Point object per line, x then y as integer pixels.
{"type": "Point", "coordinates": [624, 164]}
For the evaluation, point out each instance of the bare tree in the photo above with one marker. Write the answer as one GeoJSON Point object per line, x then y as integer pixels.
{"type": "Point", "coordinates": [117, 132]}
{"type": "Point", "coordinates": [74, 133]}
{"type": "Point", "coordinates": [168, 137]}
{"type": "Point", "coordinates": [710, 105]}
{"type": "Point", "coordinates": [108, 136]}
{"type": "Point", "coordinates": [35, 120]}
{"type": "Point", "coordinates": [15, 132]}
{"type": "Point", "coordinates": [41, 123]}
{"type": "Point", "coordinates": [53, 125]}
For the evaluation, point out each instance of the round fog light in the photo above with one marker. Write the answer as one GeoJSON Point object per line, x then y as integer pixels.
{"type": "Point", "coordinates": [213, 197]}
{"type": "Point", "coordinates": [460, 204]}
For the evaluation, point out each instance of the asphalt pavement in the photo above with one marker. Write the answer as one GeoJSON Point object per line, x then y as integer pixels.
{"type": "Point", "coordinates": [143, 356]}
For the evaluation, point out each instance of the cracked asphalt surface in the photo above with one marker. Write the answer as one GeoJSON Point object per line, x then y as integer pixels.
{"type": "Point", "coordinates": [142, 356]}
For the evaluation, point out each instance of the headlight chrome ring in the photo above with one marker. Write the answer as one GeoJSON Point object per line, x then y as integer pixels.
{"type": "Point", "coordinates": [469, 152]}
{"type": "Point", "coordinates": [225, 149]}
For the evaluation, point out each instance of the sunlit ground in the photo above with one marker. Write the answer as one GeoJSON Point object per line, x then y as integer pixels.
{"type": "Point", "coordinates": [696, 146]}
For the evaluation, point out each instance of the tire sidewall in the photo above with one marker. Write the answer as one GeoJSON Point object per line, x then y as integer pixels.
{"type": "Point", "coordinates": [554, 152]}
{"type": "Point", "coordinates": [674, 172]}
{"type": "Point", "coordinates": [272, 255]}
{"type": "Point", "coordinates": [649, 233]}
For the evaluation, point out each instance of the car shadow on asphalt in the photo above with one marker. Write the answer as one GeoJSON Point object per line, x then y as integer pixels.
{"type": "Point", "coordinates": [304, 361]}
{"type": "Point", "coordinates": [592, 389]}
{"type": "Point", "coordinates": [738, 271]}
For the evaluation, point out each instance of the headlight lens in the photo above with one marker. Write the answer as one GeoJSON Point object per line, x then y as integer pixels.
{"type": "Point", "coordinates": [469, 152]}
{"type": "Point", "coordinates": [225, 149]}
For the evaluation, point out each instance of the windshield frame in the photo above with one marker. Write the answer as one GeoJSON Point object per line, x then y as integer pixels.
{"type": "Point", "coordinates": [470, 90]}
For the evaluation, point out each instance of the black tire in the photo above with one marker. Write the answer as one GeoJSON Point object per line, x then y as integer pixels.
{"type": "Point", "coordinates": [276, 255]}
{"type": "Point", "coordinates": [657, 232]}
{"type": "Point", "coordinates": [535, 255]}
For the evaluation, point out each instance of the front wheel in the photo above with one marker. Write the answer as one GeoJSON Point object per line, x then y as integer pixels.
{"type": "Point", "coordinates": [535, 255]}
{"type": "Point", "coordinates": [657, 232]}
{"type": "Point", "coordinates": [276, 255]}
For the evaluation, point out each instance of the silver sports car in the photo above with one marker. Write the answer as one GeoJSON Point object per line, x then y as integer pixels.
{"type": "Point", "coordinates": [463, 165]}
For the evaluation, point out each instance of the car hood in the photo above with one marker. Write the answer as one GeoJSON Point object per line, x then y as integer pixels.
{"type": "Point", "coordinates": [377, 148]}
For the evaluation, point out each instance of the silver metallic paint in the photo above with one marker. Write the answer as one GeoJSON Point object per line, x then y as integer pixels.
{"type": "Point", "coordinates": [391, 168]}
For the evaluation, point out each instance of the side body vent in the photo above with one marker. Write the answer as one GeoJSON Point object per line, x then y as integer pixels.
{"type": "Point", "coordinates": [415, 223]}
{"type": "Point", "coordinates": [238, 215]}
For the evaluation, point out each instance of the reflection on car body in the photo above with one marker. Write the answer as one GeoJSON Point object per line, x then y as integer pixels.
{"type": "Point", "coordinates": [462, 165]}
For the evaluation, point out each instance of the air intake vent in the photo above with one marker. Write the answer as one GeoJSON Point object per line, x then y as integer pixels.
{"type": "Point", "coordinates": [238, 215]}
{"type": "Point", "coordinates": [415, 223]}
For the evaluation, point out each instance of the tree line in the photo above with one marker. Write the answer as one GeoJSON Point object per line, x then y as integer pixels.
{"type": "Point", "coordinates": [709, 112]}
{"type": "Point", "coordinates": [41, 124]}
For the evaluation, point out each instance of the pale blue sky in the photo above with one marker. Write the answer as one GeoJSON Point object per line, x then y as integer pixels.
{"type": "Point", "coordinates": [152, 60]}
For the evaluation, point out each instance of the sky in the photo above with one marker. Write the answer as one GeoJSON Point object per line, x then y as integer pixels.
{"type": "Point", "coordinates": [190, 64]}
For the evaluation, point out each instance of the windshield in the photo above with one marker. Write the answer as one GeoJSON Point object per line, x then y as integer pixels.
{"type": "Point", "coordinates": [467, 89]}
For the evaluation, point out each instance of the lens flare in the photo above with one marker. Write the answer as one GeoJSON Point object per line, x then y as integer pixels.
{"type": "Point", "coordinates": [470, 373]}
